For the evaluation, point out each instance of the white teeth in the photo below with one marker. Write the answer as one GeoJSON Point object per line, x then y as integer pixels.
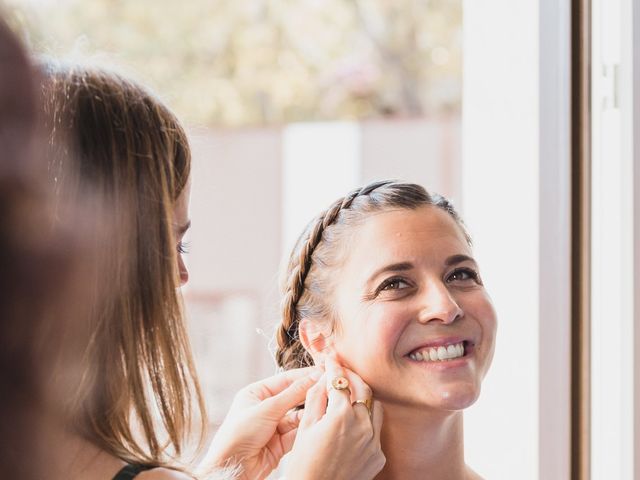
{"type": "Point", "coordinates": [434, 354]}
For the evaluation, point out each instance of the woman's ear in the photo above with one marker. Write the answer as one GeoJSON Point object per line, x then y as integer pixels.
{"type": "Point", "coordinates": [316, 339]}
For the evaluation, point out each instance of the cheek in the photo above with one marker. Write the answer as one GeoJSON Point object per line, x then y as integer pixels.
{"type": "Point", "coordinates": [183, 272]}
{"type": "Point", "coordinates": [368, 339]}
{"type": "Point", "coordinates": [481, 309]}
{"type": "Point", "coordinates": [487, 318]}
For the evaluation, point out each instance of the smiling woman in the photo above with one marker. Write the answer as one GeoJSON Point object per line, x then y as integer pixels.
{"type": "Point", "coordinates": [385, 282]}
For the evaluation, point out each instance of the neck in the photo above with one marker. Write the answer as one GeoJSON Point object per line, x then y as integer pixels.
{"type": "Point", "coordinates": [420, 443]}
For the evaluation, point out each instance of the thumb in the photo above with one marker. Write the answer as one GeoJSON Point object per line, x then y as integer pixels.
{"type": "Point", "coordinates": [277, 406]}
{"type": "Point", "coordinates": [290, 421]}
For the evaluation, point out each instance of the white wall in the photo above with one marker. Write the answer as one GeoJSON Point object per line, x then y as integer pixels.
{"type": "Point", "coordinates": [423, 151]}
{"type": "Point", "coordinates": [554, 433]}
{"type": "Point", "coordinates": [321, 163]}
{"type": "Point", "coordinates": [236, 201]}
{"type": "Point", "coordinates": [340, 156]}
{"type": "Point", "coordinates": [500, 206]}
{"type": "Point", "coordinates": [234, 255]}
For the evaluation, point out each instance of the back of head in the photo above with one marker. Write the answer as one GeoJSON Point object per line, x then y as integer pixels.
{"type": "Point", "coordinates": [123, 140]}
{"type": "Point", "coordinates": [131, 155]}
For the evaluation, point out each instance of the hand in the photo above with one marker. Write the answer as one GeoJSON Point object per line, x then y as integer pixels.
{"type": "Point", "coordinates": [336, 440]}
{"type": "Point", "coordinates": [261, 425]}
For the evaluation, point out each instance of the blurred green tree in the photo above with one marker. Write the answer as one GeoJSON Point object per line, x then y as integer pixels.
{"type": "Point", "coordinates": [259, 62]}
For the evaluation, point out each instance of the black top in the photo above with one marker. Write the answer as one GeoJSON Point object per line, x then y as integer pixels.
{"type": "Point", "coordinates": [130, 471]}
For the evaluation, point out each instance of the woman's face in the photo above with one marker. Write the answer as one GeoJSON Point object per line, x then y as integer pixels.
{"type": "Point", "coordinates": [415, 321]}
{"type": "Point", "coordinates": [180, 227]}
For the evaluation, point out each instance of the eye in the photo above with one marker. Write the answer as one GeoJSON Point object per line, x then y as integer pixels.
{"type": "Point", "coordinates": [464, 275]}
{"type": "Point", "coordinates": [395, 285]}
{"type": "Point", "coordinates": [391, 284]}
{"type": "Point", "coordinates": [183, 247]}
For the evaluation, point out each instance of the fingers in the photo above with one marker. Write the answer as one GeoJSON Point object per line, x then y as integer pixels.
{"type": "Point", "coordinates": [287, 440]}
{"type": "Point", "coordinates": [359, 391]}
{"type": "Point", "coordinates": [292, 396]}
{"type": "Point", "coordinates": [315, 405]}
{"type": "Point", "coordinates": [275, 384]}
{"type": "Point", "coordinates": [338, 399]}
{"type": "Point", "coordinates": [289, 422]}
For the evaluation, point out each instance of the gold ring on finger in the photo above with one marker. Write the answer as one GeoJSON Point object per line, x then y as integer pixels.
{"type": "Point", "coordinates": [366, 403]}
{"type": "Point", "coordinates": [340, 383]}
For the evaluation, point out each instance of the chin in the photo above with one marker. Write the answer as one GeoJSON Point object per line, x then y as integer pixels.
{"type": "Point", "coordinates": [453, 397]}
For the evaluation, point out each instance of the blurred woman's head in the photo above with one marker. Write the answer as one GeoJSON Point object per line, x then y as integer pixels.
{"type": "Point", "coordinates": [42, 274]}
{"type": "Point", "coordinates": [20, 375]}
{"type": "Point", "coordinates": [130, 152]}
{"type": "Point", "coordinates": [385, 280]}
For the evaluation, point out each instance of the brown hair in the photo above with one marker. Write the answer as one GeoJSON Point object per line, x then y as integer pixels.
{"type": "Point", "coordinates": [131, 151]}
{"type": "Point", "coordinates": [307, 285]}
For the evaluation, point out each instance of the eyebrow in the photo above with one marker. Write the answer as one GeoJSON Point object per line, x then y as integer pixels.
{"type": "Point", "coordinates": [182, 229]}
{"type": "Point", "coordinates": [394, 267]}
{"type": "Point", "coordinates": [454, 259]}
{"type": "Point", "coordinates": [405, 266]}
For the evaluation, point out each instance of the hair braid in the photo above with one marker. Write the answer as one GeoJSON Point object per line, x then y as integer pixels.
{"type": "Point", "coordinates": [291, 353]}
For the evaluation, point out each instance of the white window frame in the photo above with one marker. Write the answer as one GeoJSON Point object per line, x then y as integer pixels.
{"type": "Point", "coordinates": [614, 371]}
{"type": "Point", "coordinates": [634, 55]}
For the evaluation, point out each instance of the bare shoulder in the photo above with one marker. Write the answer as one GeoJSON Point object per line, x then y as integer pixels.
{"type": "Point", "coordinates": [163, 474]}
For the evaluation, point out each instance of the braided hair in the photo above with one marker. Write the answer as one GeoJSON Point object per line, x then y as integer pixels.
{"type": "Point", "coordinates": [306, 282]}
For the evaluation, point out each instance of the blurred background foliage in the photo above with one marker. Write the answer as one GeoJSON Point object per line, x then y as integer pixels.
{"type": "Point", "coordinates": [265, 62]}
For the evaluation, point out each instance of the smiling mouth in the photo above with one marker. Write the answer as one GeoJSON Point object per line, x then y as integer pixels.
{"type": "Point", "coordinates": [442, 353]}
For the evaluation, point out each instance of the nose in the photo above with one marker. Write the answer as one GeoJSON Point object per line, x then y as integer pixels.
{"type": "Point", "coordinates": [182, 270]}
{"type": "Point", "coordinates": [438, 304]}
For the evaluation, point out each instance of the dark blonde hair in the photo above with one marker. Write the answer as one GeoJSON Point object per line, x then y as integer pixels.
{"type": "Point", "coordinates": [130, 151]}
{"type": "Point", "coordinates": [306, 286]}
